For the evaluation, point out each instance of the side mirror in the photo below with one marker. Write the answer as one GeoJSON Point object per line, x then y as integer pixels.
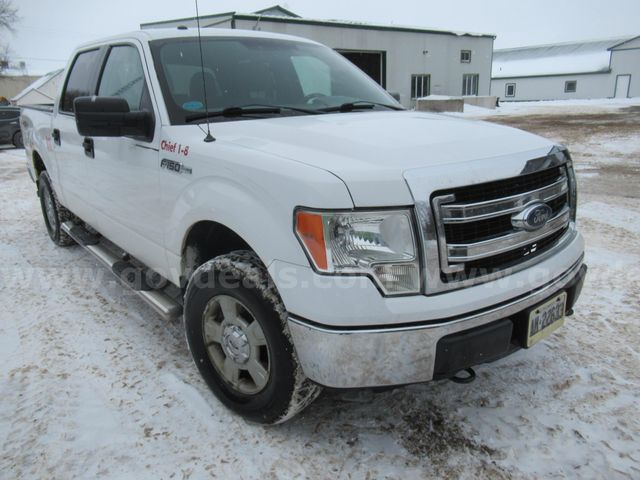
{"type": "Point", "coordinates": [110, 117]}
{"type": "Point", "coordinates": [395, 95]}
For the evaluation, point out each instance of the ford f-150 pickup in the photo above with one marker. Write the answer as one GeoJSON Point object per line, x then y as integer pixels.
{"type": "Point", "coordinates": [310, 231]}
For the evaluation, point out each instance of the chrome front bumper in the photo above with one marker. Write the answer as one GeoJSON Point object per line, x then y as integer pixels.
{"type": "Point", "coordinates": [355, 358]}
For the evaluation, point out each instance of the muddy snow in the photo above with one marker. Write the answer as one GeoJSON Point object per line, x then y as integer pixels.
{"type": "Point", "coordinates": [93, 384]}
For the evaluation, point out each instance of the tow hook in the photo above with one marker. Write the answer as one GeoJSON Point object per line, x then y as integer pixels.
{"type": "Point", "coordinates": [471, 376]}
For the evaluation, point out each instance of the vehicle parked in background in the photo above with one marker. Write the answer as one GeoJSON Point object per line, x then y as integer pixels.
{"type": "Point", "coordinates": [310, 230]}
{"type": "Point", "coordinates": [10, 126]}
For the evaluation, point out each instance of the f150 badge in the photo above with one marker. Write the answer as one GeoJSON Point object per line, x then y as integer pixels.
{"type": "Point", "coordinates": [175, 167]}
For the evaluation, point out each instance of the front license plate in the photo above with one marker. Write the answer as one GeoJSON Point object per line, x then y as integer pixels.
{"type": "Point", "coordinates": [546, 318]}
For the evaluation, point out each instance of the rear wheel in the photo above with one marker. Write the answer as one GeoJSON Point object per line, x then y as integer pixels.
{"type": "Point", "coordinates": [17, 140]}
{"type": "Point", "coordinates": [54, 214]}
{"type": "Point", "coordinates": [236, 328]}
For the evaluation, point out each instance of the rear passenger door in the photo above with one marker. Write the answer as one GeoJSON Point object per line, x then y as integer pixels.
{"type": "Point", "coordinates": [70, 177]}
{"type": "Point", "coordinates": [124, 171]}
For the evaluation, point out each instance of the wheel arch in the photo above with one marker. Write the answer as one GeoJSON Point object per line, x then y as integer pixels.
{"type": "Point", "coordinates": [246, 214]}
{"type": "Point", "coordinates": [204, 240]}
{"type": "Point", "coordinates": [38, 164]}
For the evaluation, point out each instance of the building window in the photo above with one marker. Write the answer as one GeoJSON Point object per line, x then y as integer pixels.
{"type": "Point", "coordinates": [570, 86]}
{"type": "Point", "coordinates": [465, 56]}
{"type": "Point", "coordinates": [470, 83]}
{"type": "Point", "coordinates": [420, 86]}
{"type": "Point", "coordinates": [510, 90]}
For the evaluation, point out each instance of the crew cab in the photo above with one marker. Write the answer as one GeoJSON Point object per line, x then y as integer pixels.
{"type": "Point", "coordinates": [310, 230]}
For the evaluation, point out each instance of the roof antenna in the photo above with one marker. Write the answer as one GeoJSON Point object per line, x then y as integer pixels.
{"type": "Point", "coordinates": [209, 138]}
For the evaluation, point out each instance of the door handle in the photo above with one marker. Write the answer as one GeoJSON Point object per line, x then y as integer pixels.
{"type": "Point", "coordinates": [56, 136]}
{"type": "Point", "coordinates": [87, 144]}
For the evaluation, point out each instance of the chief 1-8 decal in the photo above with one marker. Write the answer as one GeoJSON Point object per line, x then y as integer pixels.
{"type": "Point", "coordinates": [174, 147]}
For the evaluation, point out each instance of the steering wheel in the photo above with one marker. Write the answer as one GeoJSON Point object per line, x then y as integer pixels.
{"type": "Point", "coordinates": [312, 97]}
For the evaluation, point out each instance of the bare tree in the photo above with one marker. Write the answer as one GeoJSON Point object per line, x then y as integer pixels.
{"type": "Point", "coordinates": [8, 15]}
{"type": "Point", "coordinates": [8, 18]}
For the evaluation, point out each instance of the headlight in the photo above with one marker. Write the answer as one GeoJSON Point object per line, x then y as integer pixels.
{"type": "Point", "coordinates": [380, 244]}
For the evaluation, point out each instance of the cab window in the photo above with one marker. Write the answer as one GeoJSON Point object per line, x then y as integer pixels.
{"type": "Point", "coordinates": [81, 79]}
{"type": "Point", "coordinates": [123, 76]}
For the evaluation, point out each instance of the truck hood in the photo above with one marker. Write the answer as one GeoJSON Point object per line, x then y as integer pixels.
{"type": "Point", "coordinates": [371, 151]}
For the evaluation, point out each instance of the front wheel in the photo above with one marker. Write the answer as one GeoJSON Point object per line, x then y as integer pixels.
{"type": "Point", "coordinates": [237, 333]}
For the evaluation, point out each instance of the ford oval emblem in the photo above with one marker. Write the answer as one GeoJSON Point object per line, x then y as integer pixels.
{"type": "Point", "coordinates": [533, 217]}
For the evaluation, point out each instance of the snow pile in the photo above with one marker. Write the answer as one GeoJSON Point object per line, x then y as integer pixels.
{"type": "Point", "coordinates": [439, 97]}
{"type": "Point", "coordinates": [551, 107]}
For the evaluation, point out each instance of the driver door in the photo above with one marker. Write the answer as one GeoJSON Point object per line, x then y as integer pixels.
{"type": "Point", "coordinates": [124, 170]}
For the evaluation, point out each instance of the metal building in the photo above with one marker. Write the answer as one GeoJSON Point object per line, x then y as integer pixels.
{"type": "Point", "coordinates": [411, 62]}
{"type": "Point", "coordinates": [593, 69]}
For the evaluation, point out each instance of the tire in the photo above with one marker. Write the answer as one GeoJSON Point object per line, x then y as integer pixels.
{"type": "Point", "coordinates": [53, 213]}
{"type": "Point", "coordinates": [239, 282]}
{"type": "Point", "coordinates": [17, 140]}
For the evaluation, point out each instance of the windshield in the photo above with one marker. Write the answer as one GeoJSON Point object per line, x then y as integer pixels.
{"type": "Point", "coordinates": [242, 72]}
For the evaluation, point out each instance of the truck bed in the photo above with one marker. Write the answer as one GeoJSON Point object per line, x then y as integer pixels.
{"type": "Point", "coordinates": [43, 107]}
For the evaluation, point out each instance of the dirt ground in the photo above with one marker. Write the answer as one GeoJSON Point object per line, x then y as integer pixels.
{"type": "Point", "coordinates": [93, 384]}
{"type": "Point", "coordinates": [589, 136]}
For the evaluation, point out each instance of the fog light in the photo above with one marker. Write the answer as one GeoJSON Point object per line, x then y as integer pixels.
{"type": "Point", "coordinates": [398, 278]}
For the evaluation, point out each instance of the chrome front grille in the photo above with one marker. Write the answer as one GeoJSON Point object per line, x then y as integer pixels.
{"type": "Point", "coordinates": [475, 232]}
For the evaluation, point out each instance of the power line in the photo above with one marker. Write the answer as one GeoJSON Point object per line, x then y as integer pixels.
{"type": "Point", "coordinates": [18, 57]}
{"type": "Point", "coordinates": [52, 30]}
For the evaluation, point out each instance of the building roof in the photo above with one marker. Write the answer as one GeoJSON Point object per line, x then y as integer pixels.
{"type": "Point", "coordinates": [591, 56]}
{"type": "Point", "coordinates": [624, 43]}
{"type": "Point", "coordinates": [281, 15]}
{"type": "Point", "coordinates": [277, 11]}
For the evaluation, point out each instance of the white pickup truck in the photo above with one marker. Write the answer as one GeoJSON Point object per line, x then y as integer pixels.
{"type": "Point", "coordinates": [320, 235]}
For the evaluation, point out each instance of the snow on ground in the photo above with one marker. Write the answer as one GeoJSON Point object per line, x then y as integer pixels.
{"type": "Point", "coordinates": [549, 107]}
{"type": "Point", "coordinates": [93, 384]}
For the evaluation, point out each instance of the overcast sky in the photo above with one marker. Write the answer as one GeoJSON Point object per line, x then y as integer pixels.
{"type": "Point", "coordinates": [48, 31]}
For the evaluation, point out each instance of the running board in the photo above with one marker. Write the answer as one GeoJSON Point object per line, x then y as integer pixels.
{"type": "Point", "coordinates": [166, 306]}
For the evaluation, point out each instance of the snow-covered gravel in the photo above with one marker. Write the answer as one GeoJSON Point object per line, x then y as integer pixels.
{"type": "Point", "coordinates": [549, 107]}
{"type": "Point", "coordinates": [93, 384]}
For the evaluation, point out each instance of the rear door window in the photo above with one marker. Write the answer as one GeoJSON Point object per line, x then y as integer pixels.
{"type": "Point", "coordinates": [81, 79]}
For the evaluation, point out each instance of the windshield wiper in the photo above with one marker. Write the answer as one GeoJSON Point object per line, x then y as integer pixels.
{"type": "Point", "coordinates": [232, 112]}
{"type": "Point", "coordinates": [358, 105]}
{"type": "Point", "coordinates": [253, 109]}
{"type": "Point", "coordinates": [311, 111]}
